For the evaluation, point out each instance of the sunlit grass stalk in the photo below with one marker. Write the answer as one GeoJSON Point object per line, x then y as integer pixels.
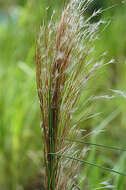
{"type": "Point", "coordinates": [63, 68]}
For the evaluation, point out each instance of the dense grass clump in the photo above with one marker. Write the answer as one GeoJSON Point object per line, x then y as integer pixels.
{"type": "Point", "coordinates": [95, 123]}
{"type": "Point", "coordinates": [64, 65]}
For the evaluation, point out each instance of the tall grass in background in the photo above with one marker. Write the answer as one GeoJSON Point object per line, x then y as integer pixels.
{"type": "Point", "coordinates": [64, 66]}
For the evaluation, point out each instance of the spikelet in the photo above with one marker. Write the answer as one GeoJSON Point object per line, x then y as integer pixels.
{"type": "Point", "coordinates": [63, 68]}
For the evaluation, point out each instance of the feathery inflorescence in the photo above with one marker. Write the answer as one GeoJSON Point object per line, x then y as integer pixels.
{"type": "Point", "coordinates": [63, 67]}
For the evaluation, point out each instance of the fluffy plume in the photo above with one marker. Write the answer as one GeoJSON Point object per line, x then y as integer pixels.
{"type": "Point", "coordinates": [63, 68]}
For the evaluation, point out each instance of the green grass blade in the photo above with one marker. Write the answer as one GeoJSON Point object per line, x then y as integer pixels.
{"type": "Point", "coordinates": [99, 145]}
{"type": "Point", "coordinates": [89, 163]}
{"type": "Point", "coordinates": [92, 154]}
{"type": "Point", "coordinates": [119, 181]}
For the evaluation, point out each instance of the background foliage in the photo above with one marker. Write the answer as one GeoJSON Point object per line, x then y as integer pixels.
{"type": "Point", "coordinates": [20, 133]}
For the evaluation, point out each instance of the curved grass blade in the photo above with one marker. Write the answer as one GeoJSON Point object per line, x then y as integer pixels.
{"type": "Point", "coordinates": [99, 145]}
{"type": "Point", "coordinates": [89, 163]}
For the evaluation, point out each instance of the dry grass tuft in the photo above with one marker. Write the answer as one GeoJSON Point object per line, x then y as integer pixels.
{"type": "Point", "coordinates": [63, 67]}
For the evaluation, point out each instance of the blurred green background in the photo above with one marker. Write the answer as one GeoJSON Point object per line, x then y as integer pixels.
{"type": "Point", "coordinates": [20, 134]}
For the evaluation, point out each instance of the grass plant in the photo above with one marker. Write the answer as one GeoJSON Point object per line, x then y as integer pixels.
{"type": "Point", "coordinates": [21, 145]}
{"type": "Point", "coordinates": [64, 65]}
